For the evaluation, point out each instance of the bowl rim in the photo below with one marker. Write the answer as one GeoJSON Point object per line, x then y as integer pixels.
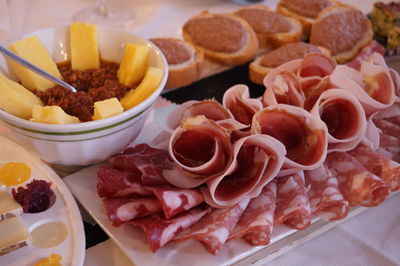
{"type": "Point", "coordinates": [101, 124]}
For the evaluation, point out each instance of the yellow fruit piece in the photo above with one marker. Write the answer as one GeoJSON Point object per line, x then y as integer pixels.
{"type": "Point", "coordinates": [107, 108]}
{"type": "Point", "coordinates": [148, 85]}
{"type": "Point", "coordinates": [84, 47]}
{"type": "Point", "coordinates": [13, 174]}
{"type": "Point", "coordinates": [32, 50]}
{"type": "Point", "coordinates": [134, 64]}
{"type": "Point", "coordinates": [53, 260]}
{"type": "Point", "coordinates": [52, 115]}
{"type": "Point", "coordinates": [15, 99]}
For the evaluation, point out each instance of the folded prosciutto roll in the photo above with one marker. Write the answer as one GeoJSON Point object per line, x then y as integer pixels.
{"type": "Point", "coordinates": [304, 136]}
{"type": "Point", "coordinates": [256, 223]}
{"type": "Point", "coordinates": [388, 128]}
{"type": "Point", "coordinates": [201, 149]}
{"type": "Point", "coordinates": [372, 85]}
{"type": "Point", "coordinates": [144, 161]}
{"type": "Point", "coordinates": [160, 231]}
{"type": "Point", "coordinates": [390, 114]}
{"type": "Point", "coordinates": [122, 210]}
{"type": "Point", "coordinates": [176, 200]}
{"type": "Point", "coordinates": [379, 165]}
{"type": "Point", "coordinates": [292, 204]}
{"type": "Point", "coordinates": [214, 229]}
{"type": "Point", "coordinates": [257, 160]}
{"type": "Point", "coordinates": [325, 198]}
{"type": "Point", "coordinates": [356, 183]}
{"type": "Point", "coordinates": [209, 108]}
{"type": "Point", "coordinates": [113, 183]}
{"type": "Point", "coordinates": [344, 117]}
{"type": "Point", "coordinates": [389, 147]}
{"type": "Point", "coordinates": [367, 51]}
{"type": "Point", "coordinates": [237, 100]}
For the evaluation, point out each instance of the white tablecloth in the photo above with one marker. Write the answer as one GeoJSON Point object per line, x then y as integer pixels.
{"type": "Point", "coordinates": [371, 238]}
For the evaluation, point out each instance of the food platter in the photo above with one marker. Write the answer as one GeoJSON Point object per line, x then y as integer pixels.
{"type": "Point", "coordinates": [133, 243]}
{"type": "Point", "coordinates": [64, 211]}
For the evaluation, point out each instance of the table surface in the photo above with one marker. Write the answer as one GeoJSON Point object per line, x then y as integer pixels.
{"type": "Point", "coordinates": [372, 238]}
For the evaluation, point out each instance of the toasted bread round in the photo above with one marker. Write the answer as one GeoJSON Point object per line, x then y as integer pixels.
{"type": "Point", "coordinates": [223, 38]}
{"type": "Point", "coordinates": [343, 30]}
{"type": "Point", "coordinates": [272, 29]}
{"type": "Point", "coordinates": [265, 63]}
{"type": "Point", "coordinates": [184, 62]}
{"type": "Point", "coordinates": [305, 11]}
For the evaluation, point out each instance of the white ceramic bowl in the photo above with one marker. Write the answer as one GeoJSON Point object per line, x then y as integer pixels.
{"type": "Point", "coordinates": [88, 142]}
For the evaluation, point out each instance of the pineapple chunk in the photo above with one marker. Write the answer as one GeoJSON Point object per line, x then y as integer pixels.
{"type": "Point", "coordinates": [148, 85]}
{"type": "Point", "coordinates": [107, 108]}
{"type": "Point", "coordinates": [15, 99]}
{"type": "Point", "coordinates": [33, 51]}
{"type": "Point", "coordinates": [134, 64]}
{"type": "Point", "coordinates": [52, 115]}
{"type": "Point", "coordinates": [84, 48]}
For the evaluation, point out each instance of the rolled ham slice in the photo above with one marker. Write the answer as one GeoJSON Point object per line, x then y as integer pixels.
{"type": "Point", "coordinates": [388, 127]}
{"type": "Point", "coordinates": [256, 223]}
{"type": "Point", "coordinates": [144, 161]}
{"type": "Point", "coordinates": [176, 200]}
{"type": "Point", "coordinates": [344, 116]}
{"type": "Point", "coordinates": [257, 160]}
{"type": "Point", "coordinates": [367, 51]}
{"type": "Point", "coordinates": [371, 135]}
{"type": "Point", "coordinates": [325, 198]}
{"type": "Point", "coordinates": [116, 183]}
{"type": "Point", "coordinates": [304, 136]}
{"type": "Point", "coordinates": [390, 114]}
{"type": "Point", "coordinates": [356, 183]}
{"type": "Point", "coordinates": [237, 100]}
{"type": "Point", "coordinates": [122, 210]}
{"type": "Point", "coordinates": [372, 86]}
{"type": "Point", "coordinates": [201, 149]}
{"type": "Point", "coordinates": [214, 229]}
{"type": "Point", "coordinates": [160, 231]}
{"type": "Point", "coordinates": [292, 204]}
{"type": "Point", "coordinates": [389, 147]}
{"type": "Point", "coordinates": [379, 165]}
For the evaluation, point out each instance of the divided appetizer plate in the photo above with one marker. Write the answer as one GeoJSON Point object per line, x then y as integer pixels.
{"type": "Point", "coordinates": [67, 238]}
{"type": "Point", "coordinates": [133, 243]}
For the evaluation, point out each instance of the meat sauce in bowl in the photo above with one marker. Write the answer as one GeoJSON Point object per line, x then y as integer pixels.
{"type": "Point", "coordinates": [92, 85]}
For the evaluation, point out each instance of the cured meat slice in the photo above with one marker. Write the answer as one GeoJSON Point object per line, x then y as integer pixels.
{"type": "Point", "coordinates": [116, 183]}
{"type": "Point", "coordinates": [201, 149]}
{"type": "Point", "coordinates": [344, 116]}
{"type": "Point", "coordinates": [304, 136]}
{"type": "Point", "coordinates": [316, 65]}
{"type": "Point", "coordinates": [256, 223]}
{"type": "Point", "coordinates": [389, 147]}
{"type": "Point", "coordinates": [144, 161]}
{"type": "Point", "coordinates": [371, 135]}
{"type": "Point", "coordinates": [367, 51]}
{"type": "Point", "coordinates": [283, 88]}
{"type": "Point", "coordinates": [257, 160]}
{"type": "Point", "coordinates": [209, 108]}
{"type": "Point", "coordinates": [379, 165]}
{"type": "Point", "coordinates": [372, 86]}
{"type": "Point", "coordinates": [357, 184]}
{"type": "Point", "coordinates": [292, 204]}
{"type": "Point", "coordinates": [176, 200]}
{"type": "Point", "coordinates": [122, 210]}
{"type": "Point", "coordinates": [160, 231]}
{"type": "Point", "coordinates": [388, 128]}
{"type": "Point", "coordinates": [324, 195]}
{"type": "Point", "coordinates": [214, 229]}
{"type": "Point", "coordinates": [390, 114]}
{"type": "Point", "coordinates": [237, 100]}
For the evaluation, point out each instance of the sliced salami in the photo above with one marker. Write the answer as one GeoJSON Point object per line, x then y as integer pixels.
{"type": "Point", "coordinates": [256, 223]}
{"type": "Point", "coordinates": [356, 183]}
{"type": "Point", "coordinates": [176, 200]}
{"type": "Point", "coordinates": [386, 169]}
{"type": "Point", "coordinates": [389, 147]}
{"type": "Point", "coordinates": [388, 128]}
{"type": "Point", "coordinates": [214, 229]}
{"type": "Point", "coordinates": [116, 183]}
{"type": "Point", "coordinates": [292, 206]}
{"type": "Point", "coordinates": [325, 198]}
{"type": "Point", "coordinates": [122, 210]}
{"type": "Point", "coordinates": [160, 231]}
{"type": "Point", "coordinates": [146, 161]}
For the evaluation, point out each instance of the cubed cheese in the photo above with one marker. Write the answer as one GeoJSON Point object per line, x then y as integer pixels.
{"type": "Point", "coordinates": [107, 108]}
